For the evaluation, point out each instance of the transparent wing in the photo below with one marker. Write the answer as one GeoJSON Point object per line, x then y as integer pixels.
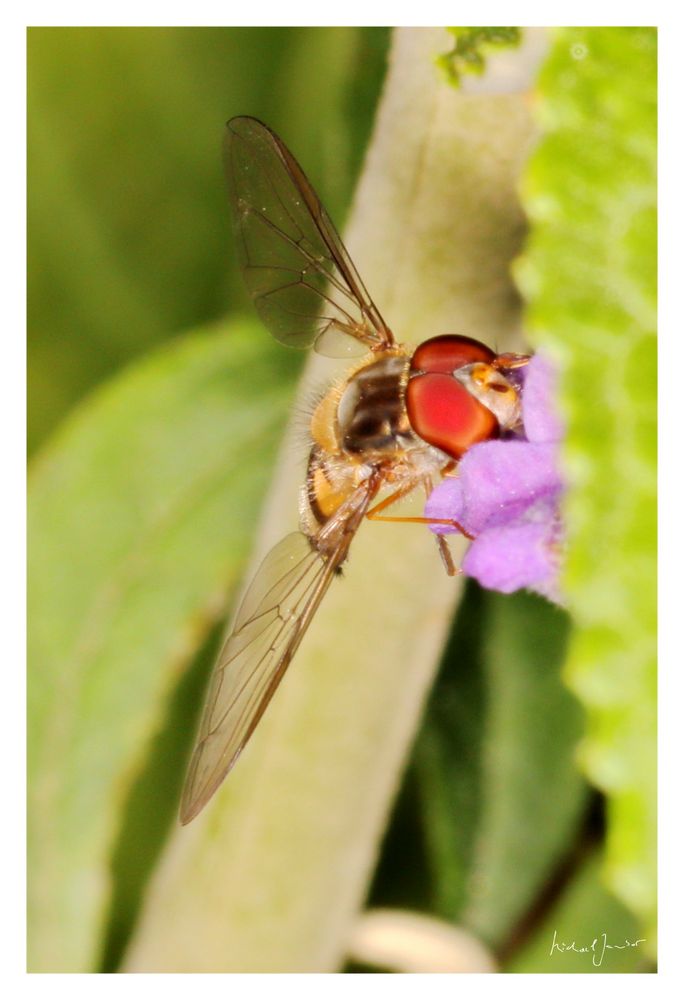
{"type": "Point", "coordinates": [298, 272]}
{"type": "Point", "coordinates": [269, 626]}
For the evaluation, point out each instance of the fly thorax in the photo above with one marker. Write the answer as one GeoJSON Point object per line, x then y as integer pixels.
{"type": "Point", "coordinates": [371, 413]}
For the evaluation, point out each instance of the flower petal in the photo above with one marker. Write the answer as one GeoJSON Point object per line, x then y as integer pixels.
{"type": "Point", "coordinates": [501, 479]}
{"type": "Point", "coordinates": [541, 418]}
{"type": "Point", "coordinates": [511, 557]}
{"type": "Point", "coordinates": [445, 503]}
{"type": "Point", "coordinates": [507, 494]}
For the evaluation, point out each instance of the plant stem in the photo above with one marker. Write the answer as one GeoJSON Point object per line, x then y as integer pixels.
{"type": "Point", "coordinates": [271, 876]}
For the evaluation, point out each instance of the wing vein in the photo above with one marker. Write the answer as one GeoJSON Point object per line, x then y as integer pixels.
{"type": "Point", "coordinates": [271, 621]}
{"type": "Point", "coordinates": [281, 224]}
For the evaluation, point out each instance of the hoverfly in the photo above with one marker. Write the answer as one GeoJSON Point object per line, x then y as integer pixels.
{"type": "Point", "coordinates": [400, 419]}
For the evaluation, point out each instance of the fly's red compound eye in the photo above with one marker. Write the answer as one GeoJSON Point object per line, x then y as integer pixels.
{"type": "Point", "coordinates": [443, 413]}
{"type": "Point", "coordinates": [440, 409]}
{"type": "Point", "coordinates": [449, 352]}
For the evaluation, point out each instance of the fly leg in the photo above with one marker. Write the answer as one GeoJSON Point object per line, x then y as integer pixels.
{"type": "Point", "coordinates": [443, 545]}
{"type": "Point", "coordinates": [374, 514]}
{"type": "Point", "coordinates": [447, 558]}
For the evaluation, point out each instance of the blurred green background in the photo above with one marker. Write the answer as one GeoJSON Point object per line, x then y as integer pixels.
{"type": "Point", "coordinates": [130, 246]}
{"type": "Point", "coordinates": [130, 239]}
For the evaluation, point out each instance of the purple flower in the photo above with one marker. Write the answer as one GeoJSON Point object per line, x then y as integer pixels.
{"type": "Point", "coordinates": [506, 495]}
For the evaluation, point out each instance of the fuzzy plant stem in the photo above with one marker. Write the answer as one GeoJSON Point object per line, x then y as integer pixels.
{"type": "Point", "coordinates": [271, 876]}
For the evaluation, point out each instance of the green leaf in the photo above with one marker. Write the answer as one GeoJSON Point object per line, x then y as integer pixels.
{"type": "Point", "coordinates": [140, 516]}
{"type": "Point", "coordinates": [533, 798]}
{"type": "Point", "coordinates": [448, 761]}
{"type": "Point", "coordinates": [502, 800]}
{"type": "Point", "coordinates": [129, 230]}
{"type": "Point", "coordinates": [471, 47]}
{"type": "Point", "coordinates": [589, 276]}
{"type": "Point", "coordinates": [151, 806]}
{"type": "Point", "coordinates": [583, 914]}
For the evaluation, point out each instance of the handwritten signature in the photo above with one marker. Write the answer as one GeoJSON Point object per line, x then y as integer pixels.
{"type": "Point", "coordinates": [597, 949]}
